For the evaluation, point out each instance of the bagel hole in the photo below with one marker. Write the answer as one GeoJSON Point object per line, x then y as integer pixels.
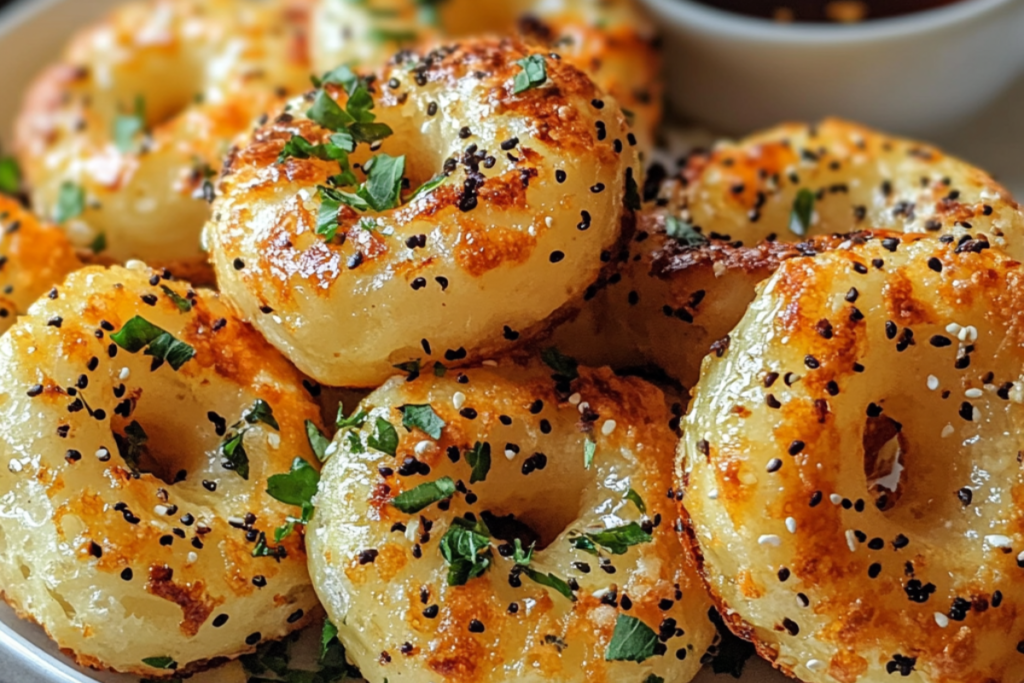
{"type": "Point", "coordinates": [885, 449]}
{"type": "Point", "coordinates": [169, 445]}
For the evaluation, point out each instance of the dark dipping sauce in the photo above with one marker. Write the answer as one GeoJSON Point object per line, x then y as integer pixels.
{"type": "Point", "coordinates": [826, 11]}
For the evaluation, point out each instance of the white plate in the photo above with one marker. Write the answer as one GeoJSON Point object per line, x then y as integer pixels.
{"type": "Point", "coordinates": [31, 35]}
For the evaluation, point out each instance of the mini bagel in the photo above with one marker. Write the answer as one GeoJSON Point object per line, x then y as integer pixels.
{"type": "Point", "coordinates": [611, 40]}
{"type": "Point", "coordinates": [856, 179]}
{"type": "Point", "coordinates": [121, 141]}
{"type": "Point", "coordinates": [33, 257]}
{"type": "Point", "coordinates": [698, 253]}
{"type": "Point", "coordinates": [521, 196]}
{"type": "Point", "coordinates": [851, 464]}
{"type": "Point", "coordinates": [461, 535]}
{"type": "Point", "coordinates": [121, 532]}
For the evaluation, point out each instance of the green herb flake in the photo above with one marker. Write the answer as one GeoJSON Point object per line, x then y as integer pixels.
{"type": "Point", "coordinates": [479, 458]}
{"type": "Point", "coordinates": [564, 366]}
{"type": "Point", "coordinates": [328, 114]}
{"type": "Point", "coordinates": [634, 498]}
{"type": "Point", "coordinates": [183, 304]}
{"type": "Point", "coordinates": [439, 369]}
{"type": "Point", "coordinates": [632, 641]}
{"type": "Point", "coordinates": [534, 73]}
{"type": "Point", "coordinates": [522, 557]}
{"type": "Point", "coordinates": [466, 548]}
{"type": "Point", "coordinates": [683, 232]}
{"type": "Point", "coordinates": [424, 495]}
{"type": "Point", "coordinates": [138, 333]}
{"type": "Point", "coordinates": [549, 581]}
{"type": "Point", "coordinates": [384, 437]}
{"type": "Point", "coordinates": [160, 662]}
{"type": "Point", "coordinates": [589, 449]}
{"type": "Point", "coordinates": [235, 458]}
{"type": "Point", "coordinates": [261, 412]}
{"type": "Point", "coordinates": [317, 440]}
{"type": "Point", "coordinates": [10, 176]}
{"type": "Point", "coordinates": [422, 417]}
{"type": "Point", "coordinates": [99, 243]}
{"type": "Point", "coordinates": [429, 186]}
{"type": "Point", "coordinates": [803, 213]}
{"type": "Point", "coordinates": [410, 368]}
{"type": "Point", "coordinates": [297, 487]}
{"type": "Point", "coordinates": [127, 127]}
{"type": "Point", "coordinates": [131, 445]}
{"type": "Point", "coordinates": [263, 549]}
{"type": "Point", "coordinates": [355, 420]}
{"type": "Point", "coordinates": [383, 186]}
{"type": "Point", "coordinates": [617, 540]}
{"type": "Point", "coordinates": [70, 202]}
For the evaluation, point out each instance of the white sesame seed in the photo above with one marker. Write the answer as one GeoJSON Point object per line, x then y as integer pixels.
{"type": "Point", "coordinates": [1020, 557]}
{"type": "Point", "coordinates": [125, 373]}
{"type": "Point", "coordinates": [489, 363]}
{"type": "Point", "coordinates": [815, 665]}
{"type": "Point", "coordinates": [192, 558]}
{"type": "Point", "coordinates": [412, 530]}
{"type": "Point", "coordinates": [161, 510]}
{"type": "Point", "coordinates": [424, 447]}
{"type": "Point", "coordinates": [769, 539]}
{"type": "Point", "coordinates": [941, 619]}
{"type": "Point", "coordinates": [947, 431]}
{"type": "Point", "coordinates": [274, 440]}
{"type": "Point", "coordinates": [973, 393]}
{"type": "Point", "coordinates": [802, 601]}
{"type": "Point", "coordinates": [575, 399]}
{"type": "Point", "coordinates": [791, 525]}
{"type": "Point", "coordinates": [458, 400]}
{"type": "Point", "coordinates": [608, 427]}
{"type": "Point", "coordinates": [510, 454]}
{"type": "Point", "coordinates": [851, 540]}
{"type": "Point", "coordinates": [963, 334]}
{"type": "Point", "coordinates": [14, 466]}
{"type": "Point", "coordinates": [953, 328]}
{"type": "Point", "coordinates": [972, 333]}
{"type": "Point", "coordinates": [718, 268]}
{"type": "Point", "coordinates": [135, 264]}
{"type": "Point", "coordinates": [548, 221]}
{"type": "Point", "coordinates": [933, 382]}
{"type": "Point", "coordinates": [835, 499]}
{"type": "Point", "coordinates": [976, 414]}
{"type": "Point", "coordinates": [713, 494]}
{"type": "Point", "coordinates": [584, 407]}
{"type": "Point", "coordinates": [999, 541]}
{"type": "Point", "coordinates": [236, 521]}
{"type": "Point", "coordinates": [103, 454]}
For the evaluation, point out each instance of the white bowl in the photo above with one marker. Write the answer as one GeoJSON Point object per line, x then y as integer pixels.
{"type": "Point", "coordinates": [913, 74]}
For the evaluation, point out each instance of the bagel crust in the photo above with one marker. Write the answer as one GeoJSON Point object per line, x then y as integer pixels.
{"type": "Point", "coordinates": [517, 228]}
{"type": "Point", "coordinates": [707, 237]}
{"type": "Point", "coordinates": [121, 532]}
{"type": "Point", "coordinates": [33, 257]}
{"type": "Point", "coordinates": [511, 440]}
{"type": "Point", "coordinates": [122, 140]}
{"type": "Point", "coordinates": [612, 41]}
{"type": "Point", "coordinates": [851, 464]}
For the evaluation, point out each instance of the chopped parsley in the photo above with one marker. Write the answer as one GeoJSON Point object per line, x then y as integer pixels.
{"type": "Point", "coordinates": [160, 662]}
{"type": "Point", "coordinates": [429, 186]}
{"type": "Point", "coordinates": [10, 176]}
{"type": "Point", "coordinates": [138, 333]}
{"type": "Point", "coordinates": [99, 243]}
{"type": "Point", "coordinates": [634, 498]}
{"type": "Point", "coordinates": [131, 445]}
{"type": "Point", "coordinates": [803, 213]}
{"type": "Point", "coordinates": [424, 418]}
{"type": "Point", "coordinates": [317, 440]}
{"type": "Point", "coordinates": [272, 661]}
{"type": "Point", "coordinates": [263, 549]}
{"type": "Point", "coordinates": [617, 540]}
{"type": "Point", "coordinates": [439, 369]}
{"type": "Point", "coordinates": [183, 304]}
{"type": "Point", "coordinates": [479, 458]}
{"type": "Point", "coordinates": [683, 232]}
{"type": "Point", "coordinates": [384, 437]}
{"type": "Point", "coordinates": [424, 495]}
{"type": "Point", "coordinates": [534, 73]}
{"type": "Point", "coordinates": [589, 449]}
{"type": "Point", "coordinates": [295, 488]}
{"type": "Point", "coordinates": [411, 368]}
{"type": "Point", "coordinates": [355, 420]}
{"type": "Point", "coordinates": [565, 367]}
{"type": "Point", "coordinates": [232, 448]}
{"type": "Point", "coordinates": [127, 127]}
{"type": "Point", "coordinates": [466, 548]}
{"type": "Point", "coordinates": [383, 187]}
{"type": "Point", "coordinates": [70, 202]}
{"type": "Point", "coordinates": [522, 558]}
{"type": "Point", "coordinates": [632, 641]}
